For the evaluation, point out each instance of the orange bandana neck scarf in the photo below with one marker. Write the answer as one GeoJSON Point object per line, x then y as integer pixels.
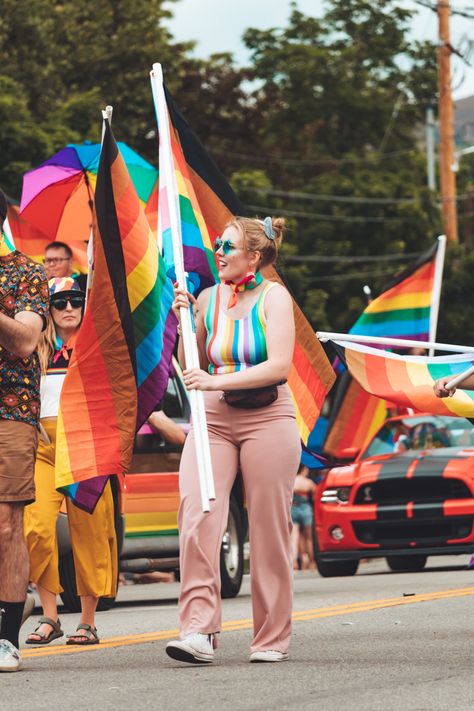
{"type": "Point", "coordinates": [63, 348]}
{"type": "Point", "coordinates": [248, 282]}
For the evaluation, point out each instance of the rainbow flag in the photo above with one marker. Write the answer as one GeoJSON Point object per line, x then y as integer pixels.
{"type": "Point", "coordinates": [198, 255]}
{"type": "Point", "coordinates": [355, 418]}
{"type": "Point", "coordinates": [403, 308]}
{"type": "Point", "coordinates": [120, 364]}
{"type": "Point", "coordinates": [207, 203]}
{"type": "Point", "coordinates": [408, 380]}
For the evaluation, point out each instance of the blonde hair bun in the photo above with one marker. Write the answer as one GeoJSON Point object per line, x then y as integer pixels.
{"type": "Point", "coordinates": [256, 239]}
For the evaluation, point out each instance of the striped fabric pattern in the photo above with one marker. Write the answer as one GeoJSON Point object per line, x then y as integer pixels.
{"type": "Point", "coordinates": [403, 308]}
{"type": "Point", "coordinates": [198, 255]}
{"type": "Point", "coordinates": [57, 196]}
{"type": "Point", "coordinates": [408, 380]}
{"type": "Point", "coordinates": [120, 364]}
{"type": "Point", "coordinates": [356, 420]}
{"type": "Point", "coordinates": [235, 344]}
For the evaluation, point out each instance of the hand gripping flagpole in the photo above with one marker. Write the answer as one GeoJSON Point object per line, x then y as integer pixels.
{"type": "Point", "coordinates": [455, 382]}
{"type": "Point", "coordinates": [191, 355]}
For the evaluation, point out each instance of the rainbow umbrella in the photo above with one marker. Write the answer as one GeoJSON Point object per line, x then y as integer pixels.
{"type": "Point", "coordinates": [58, 196]}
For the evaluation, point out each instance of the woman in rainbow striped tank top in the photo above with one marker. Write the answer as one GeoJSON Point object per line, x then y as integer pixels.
{"type": "Point", "coordinates": [246, 334]}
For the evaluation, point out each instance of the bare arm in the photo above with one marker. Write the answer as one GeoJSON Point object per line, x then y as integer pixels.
{"type": "Point", "coordinates": [167, 428]}
{"type": "Point", "coordinates": [20, 335]}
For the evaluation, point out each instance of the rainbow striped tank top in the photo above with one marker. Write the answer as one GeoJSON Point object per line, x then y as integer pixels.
{"type": "Point", "coordinates": [235, 344]}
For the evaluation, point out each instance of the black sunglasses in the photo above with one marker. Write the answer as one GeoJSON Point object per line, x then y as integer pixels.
{"type": "Point", "coordinates": [77, 302]}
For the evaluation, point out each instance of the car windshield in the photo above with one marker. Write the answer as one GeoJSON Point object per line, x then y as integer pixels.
{"type": "Point", "coordinates": [418, 433]}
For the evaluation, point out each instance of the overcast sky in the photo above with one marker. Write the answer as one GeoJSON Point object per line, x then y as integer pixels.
{"type": "Point", "coordinates": [218, 25]}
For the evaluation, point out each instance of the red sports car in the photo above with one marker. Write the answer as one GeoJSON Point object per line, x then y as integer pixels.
{"type": "Point", "coordinates": [409, 495]}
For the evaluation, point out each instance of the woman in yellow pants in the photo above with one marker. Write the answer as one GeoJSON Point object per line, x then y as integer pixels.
{"type": "Point", "coordinates": [93, 536]}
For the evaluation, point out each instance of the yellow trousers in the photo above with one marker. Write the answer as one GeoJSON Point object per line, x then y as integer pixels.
{"type": "Point", "coordinates": [93, 538]}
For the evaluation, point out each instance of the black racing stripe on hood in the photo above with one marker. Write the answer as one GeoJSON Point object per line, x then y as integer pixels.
{"type": "Point", "coordinates": [432, 466]}
{"type": "Point", "coordinates": [395, 468]}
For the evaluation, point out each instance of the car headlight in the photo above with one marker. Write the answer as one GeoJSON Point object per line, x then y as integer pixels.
{"type": "Point", "coordinates": [337, 495]}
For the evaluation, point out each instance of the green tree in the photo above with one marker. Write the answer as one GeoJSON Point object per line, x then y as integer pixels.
{"type": "Point", "coordinates": [338, 102]}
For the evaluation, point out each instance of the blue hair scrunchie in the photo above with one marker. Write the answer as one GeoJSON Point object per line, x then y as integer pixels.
{"type": "Point", "coordinates": [268, 228]}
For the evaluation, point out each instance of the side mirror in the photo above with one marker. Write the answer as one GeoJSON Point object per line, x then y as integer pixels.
{"type": "Point", "coordinates": [349, 452]}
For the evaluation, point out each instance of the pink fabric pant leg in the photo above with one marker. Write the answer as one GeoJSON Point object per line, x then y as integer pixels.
{"type": "Point", "coordinates": [269, 460]}
{"type": "Point", "coordinates": [265, 444]}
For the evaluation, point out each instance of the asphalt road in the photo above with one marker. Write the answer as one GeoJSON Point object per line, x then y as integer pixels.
{"type": "Point", "coordinates": [379, 641]}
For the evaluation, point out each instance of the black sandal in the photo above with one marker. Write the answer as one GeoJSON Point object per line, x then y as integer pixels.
{"type": "Point", "coordinates": [46, 638]}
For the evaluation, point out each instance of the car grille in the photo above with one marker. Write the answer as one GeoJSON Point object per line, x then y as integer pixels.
{"type": "Point", "coordinates": [426, 533]}
{"type": "Point", "coordinates": [421, 490]}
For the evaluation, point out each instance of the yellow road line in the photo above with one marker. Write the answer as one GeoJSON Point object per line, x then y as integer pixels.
{"type": "Point", "coordinates": [243, 624]}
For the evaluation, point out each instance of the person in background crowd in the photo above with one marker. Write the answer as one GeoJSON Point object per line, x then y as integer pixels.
{"type": "Point", "coordinates": [246, 337]}
{"type": "Point", "coordinates": [58, 262]}
{"type": "Point", "coordinates": [302, 517]}
{"type": "Point", "coordinates": [93, 537]}
{"type": "Point", "coordinates": [23, 307]}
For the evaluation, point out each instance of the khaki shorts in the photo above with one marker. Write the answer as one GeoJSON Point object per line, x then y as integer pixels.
{"type": "Point", "coordinates": [18, 443]}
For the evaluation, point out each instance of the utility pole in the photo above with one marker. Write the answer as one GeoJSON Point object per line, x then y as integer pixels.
{"type": "Point", "coordinates": [446, 125]}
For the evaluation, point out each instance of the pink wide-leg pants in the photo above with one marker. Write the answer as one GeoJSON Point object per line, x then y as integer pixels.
{"type": "Point", "coordinates": [265, 445]}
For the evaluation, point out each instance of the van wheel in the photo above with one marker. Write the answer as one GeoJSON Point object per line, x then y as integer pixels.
{"type": "Point", "coordinates": [410, 563]}
{"type": "Point", "coordinates": [69, 596]}
{"type": "Point", "coordinates": [232, 553]}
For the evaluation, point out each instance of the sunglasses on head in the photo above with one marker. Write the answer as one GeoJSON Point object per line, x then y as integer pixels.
{"type": "Point", "coordinates": [226, 246]}
{"type": "Point", "coordinates": [77, 302]}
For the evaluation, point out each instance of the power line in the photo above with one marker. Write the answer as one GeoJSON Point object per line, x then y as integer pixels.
{"type": "Point", "coordinates": [327, 218]}
{"type": "Point", "coordinates": [267, 158]}
{"type": "Point", "coordinates": [348, 260]}
{"type": "Point", "coordinates": [453, 11]}
{"type": "Point", "coordinates": [331, 198]}
{"type": "Point", "coordinates": [346, 277]}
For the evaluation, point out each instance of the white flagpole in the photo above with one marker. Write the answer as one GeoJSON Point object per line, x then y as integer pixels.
{"type": "Point", "coordinates": [460, 378]}
{"type": "Point", "coordinates": [392, 342]}
{"type": "Point", "coordinates": [203, 453]}
{"type": "Point", "coordinates": [436, 296]}
{"type": "Point", "coordinates": [106, 114]}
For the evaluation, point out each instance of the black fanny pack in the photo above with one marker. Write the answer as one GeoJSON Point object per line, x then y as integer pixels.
{"type": "Point", "coordinates": [252, 398]}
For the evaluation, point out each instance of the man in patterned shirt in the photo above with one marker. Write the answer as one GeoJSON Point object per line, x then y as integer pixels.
{"type": "Point", "coordinates": [23, 306]}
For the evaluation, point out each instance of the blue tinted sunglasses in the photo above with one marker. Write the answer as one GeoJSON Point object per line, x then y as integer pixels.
{"type": "Point", "coordinates": [226, 246]}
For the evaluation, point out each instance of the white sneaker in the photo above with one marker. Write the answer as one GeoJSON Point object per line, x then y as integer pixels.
{"type": "Point", "coordinates": [268, 655]}
{"type": "Point", "coordinates": [196, 648]}
{"type": "Point", "coordinates": [10, 660]}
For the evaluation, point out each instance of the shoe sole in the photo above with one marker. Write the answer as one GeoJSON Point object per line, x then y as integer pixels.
{"type": "Point", "coordinates": [183, 655]}
{"type": "Point", "coordinates": [10, 669]}
{"type": "Point", "coordinates": [268, 661]}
